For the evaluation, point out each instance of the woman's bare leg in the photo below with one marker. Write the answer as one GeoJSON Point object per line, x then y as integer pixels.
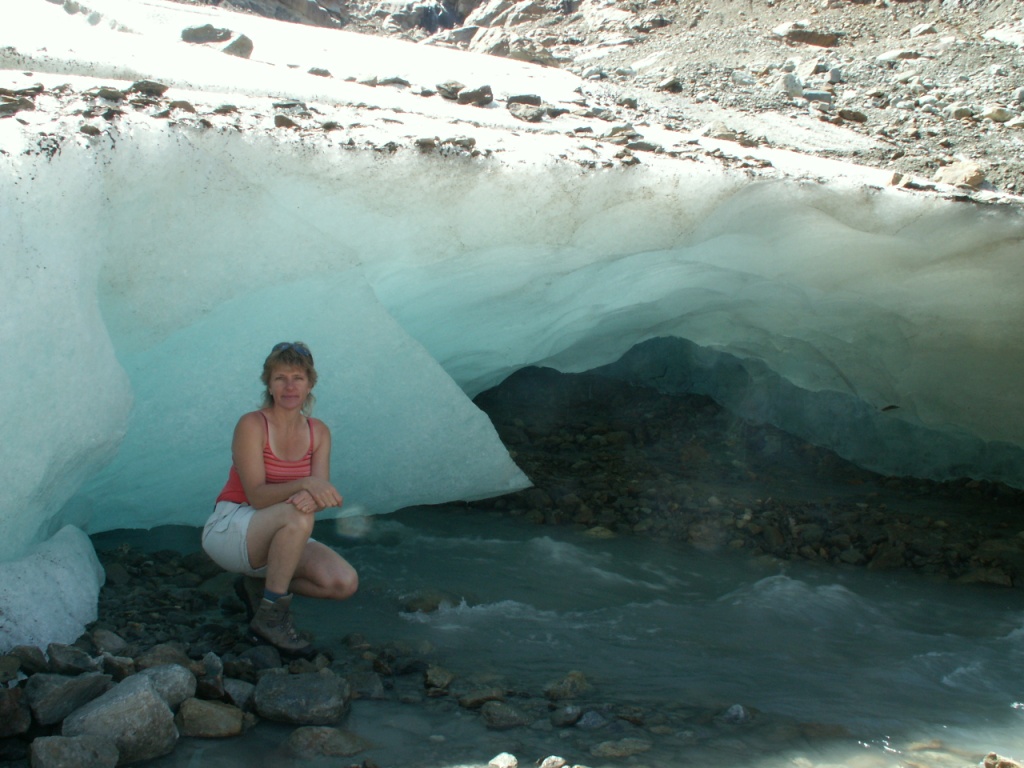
{"type": "Point", "coordinates": [324, 573]}
{"type": "Point", "coordinates": [278, 537]}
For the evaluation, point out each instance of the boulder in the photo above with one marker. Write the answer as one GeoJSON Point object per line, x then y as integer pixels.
{"type": "Point", "coordinates": [15, 716]}
{"type": "Point", "coordinates": [172, 682]}
{"type": "Point", "coordinates": [198, 718]}
{"type": "Point", "coordinates": [53, 697]}
{"type": "Point", "coordinates": [501, 716]}
{"type": "Point", "coordinates": [311, 698]}
{"type": "Point", "coordinates": [134, 716]}
{"type": "Point", "coordinates": [69, 660]}
{"type": "Point", "coordinates": [801, 32]}
{"type": "Point", "coordinates": [206, 33]}
{"type": "Point", "coordinates": [963, 173]}
{"type": "Point", "coordinates": [74, 751]}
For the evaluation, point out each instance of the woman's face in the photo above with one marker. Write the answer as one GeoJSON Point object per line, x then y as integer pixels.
{"type": "Point", "coordinates": [289, 387]}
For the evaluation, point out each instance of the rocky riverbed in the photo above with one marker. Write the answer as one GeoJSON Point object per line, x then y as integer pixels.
{"type": "Point", "coordinates": [632, 461]}
{"type": "Point", "coordinates": [168, 659]}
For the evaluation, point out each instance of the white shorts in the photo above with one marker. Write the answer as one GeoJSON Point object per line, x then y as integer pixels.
{"type": "Point", "coordinates": [224, 538]}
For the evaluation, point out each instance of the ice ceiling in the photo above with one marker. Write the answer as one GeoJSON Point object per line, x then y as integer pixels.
{"type": "Point", "coordinates": [148, 271]}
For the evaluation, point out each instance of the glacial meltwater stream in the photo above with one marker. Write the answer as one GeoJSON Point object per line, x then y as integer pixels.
{"type": "Point", "coordinates": [701, 658]}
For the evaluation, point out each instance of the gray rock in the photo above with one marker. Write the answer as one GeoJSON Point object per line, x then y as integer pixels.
{"type": "Point", "coordinates": [450, 90]}
{"type": "Point", "coordinates": [525, 98]}
{"type": "Point", "coordinates": [899, 54]}
{"type": "Point", "coordinates": [69, 660]}
{"type": "Point", "coordinates": [134, 716]}
{"type": "Point", "coordinates": [207, 33]}
{"type": "Point", "coordinates": [958, 111]}
{"type": "Point", "coordinates": [148, 88]}
{"type": "Point", "coordinates": [622, 748]}
{"type": "Point", "coordinates": [998, 113]}
{"type": "Point", "coordinates": [203, 719]}
{"type": "Point", "coordinates": [501, 716]}
{"type": "Point", "coordinates": [790, 85]}
{"type": "Point", "coordinates": [480, 96]}
{"type": "Point", "coordinates": [242, 47]}
{"type": "Point", "coordinates": [74, 752]}
{"type": "Point", "coordinates": [107, 641]}
{"type": "Point", "coordinates": [592, 721]}
{"type": "Point", "coordinates": [172, 682]}
{"type": "Point", "coordinates": [311, 698]}
{"type": "Point", "coordinates": [32, 659]}
{"type": "Point", "coordinates": [571, 686]}
{"type": "Point", "coordinates": [118, 667]}
{"type": "Point", "coordinates": [853, 115]}
{"type": "Point", "coordinates": [479, 696]}
{"type": "Point", "coordinates": [563, 717]}
{"type": "Point", "coordinates": [262, 657]}
{"type": "Point", "coordinates": [15, 716]}
{"type": "Point", "coordinates": [800, 32]}
{"type": "Point", "coordinates": [159, 655]}
{"type": "Point", "coordinates": [53, 697]}
{"type": "Point", "coordinates": [10, 668]}
{"type": "Point", "coordinates": [825, 97]}
{"type": "Point", "coordinates": [240, 693]}
{"type": "Point", "coordinates": [323, 741]}
{"type": "Point", "coordinates": [527, 113]}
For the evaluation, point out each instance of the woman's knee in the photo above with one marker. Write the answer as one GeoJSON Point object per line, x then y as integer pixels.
{"type": "Point", "coordinates": [345, 584]}
{"type": "Point", "coordinates": [340, 582]}
{"type": "Point", "coordinates": [298, 522]}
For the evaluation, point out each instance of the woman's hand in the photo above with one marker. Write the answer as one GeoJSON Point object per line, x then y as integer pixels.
{"type": "Point", "coordinates": [303, 502]}
{"type": "Point", "coordinates": [321, 493]}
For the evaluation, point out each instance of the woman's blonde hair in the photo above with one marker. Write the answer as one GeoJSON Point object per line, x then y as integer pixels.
{"type": "Point", "coordinates": [289, 354]}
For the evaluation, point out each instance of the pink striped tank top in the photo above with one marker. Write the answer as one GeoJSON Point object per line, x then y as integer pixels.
{"type": "Point", "coordinates": [277, 470]}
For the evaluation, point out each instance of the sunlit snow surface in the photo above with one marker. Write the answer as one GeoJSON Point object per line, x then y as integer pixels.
{"type": "Point", "coordinates": [148, 270]}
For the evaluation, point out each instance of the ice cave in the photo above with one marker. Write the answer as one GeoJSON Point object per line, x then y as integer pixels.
{"type": "Point", "coordinates": [149, 266]}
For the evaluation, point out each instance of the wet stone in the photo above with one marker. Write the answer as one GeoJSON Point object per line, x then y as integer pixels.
{"type": "Point", "coordinates": [172, 682]}
{"type": "Point", "coordinates": [622, 748]}
{"type": "Point", "coordinates": [323, 741]}
{"type": "Point", "coordinates": [53, 697]}
{"type": "Point", "coordinates": [198, 718]}
{"type": "Point", "coordinates": [32, 659]}
{"type": "Point", "coordinates": [500, 716]}
{"type": "Point", "coordinates": [563, 717]}
{"type": "Point", "coordinates": [134, 716]}
{"type": "Point", "coordinates": [320, 698]}
{"type": "Point", "coordinates": [77, 751]}
{"type": "Point", "coordinates": [478, 697]}
{"type": "Point", "coordinates": [69, 660]}
{"type": "Point", "coordinates": [571, 686]}
{"type": "Point", "coordinates": [10, 666]}
{"type": "Point", "coordinates": [15, 715]}
{"type": "Point", "coordinates": [240, 693]}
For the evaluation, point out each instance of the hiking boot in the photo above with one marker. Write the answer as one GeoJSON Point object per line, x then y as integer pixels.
{"type": "Point", "coordinates": [250, 591]}
{"type": "Point", "coordinates": [273, 623]}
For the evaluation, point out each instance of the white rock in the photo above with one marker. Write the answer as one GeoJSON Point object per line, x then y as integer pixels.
{"type": "Point", "coordinates": [998, 113]}
{"type": "Point", "coordinates": [504, 760]}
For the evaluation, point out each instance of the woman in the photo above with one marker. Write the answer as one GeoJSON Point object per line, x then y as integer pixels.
{"type": "Point", "coordinates": [279, 480]}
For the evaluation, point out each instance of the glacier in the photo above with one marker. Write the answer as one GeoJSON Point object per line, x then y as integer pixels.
{"type": "Point", "coordinates": [150, 265]}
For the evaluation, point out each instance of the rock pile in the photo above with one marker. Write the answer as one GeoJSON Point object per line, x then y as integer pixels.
{"type": "Point", "coordinates": [619, 459]}
{"type": "Point", "coordinates": [168, 659]}
{"type": "Point", "coordinates": [918, 86]}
